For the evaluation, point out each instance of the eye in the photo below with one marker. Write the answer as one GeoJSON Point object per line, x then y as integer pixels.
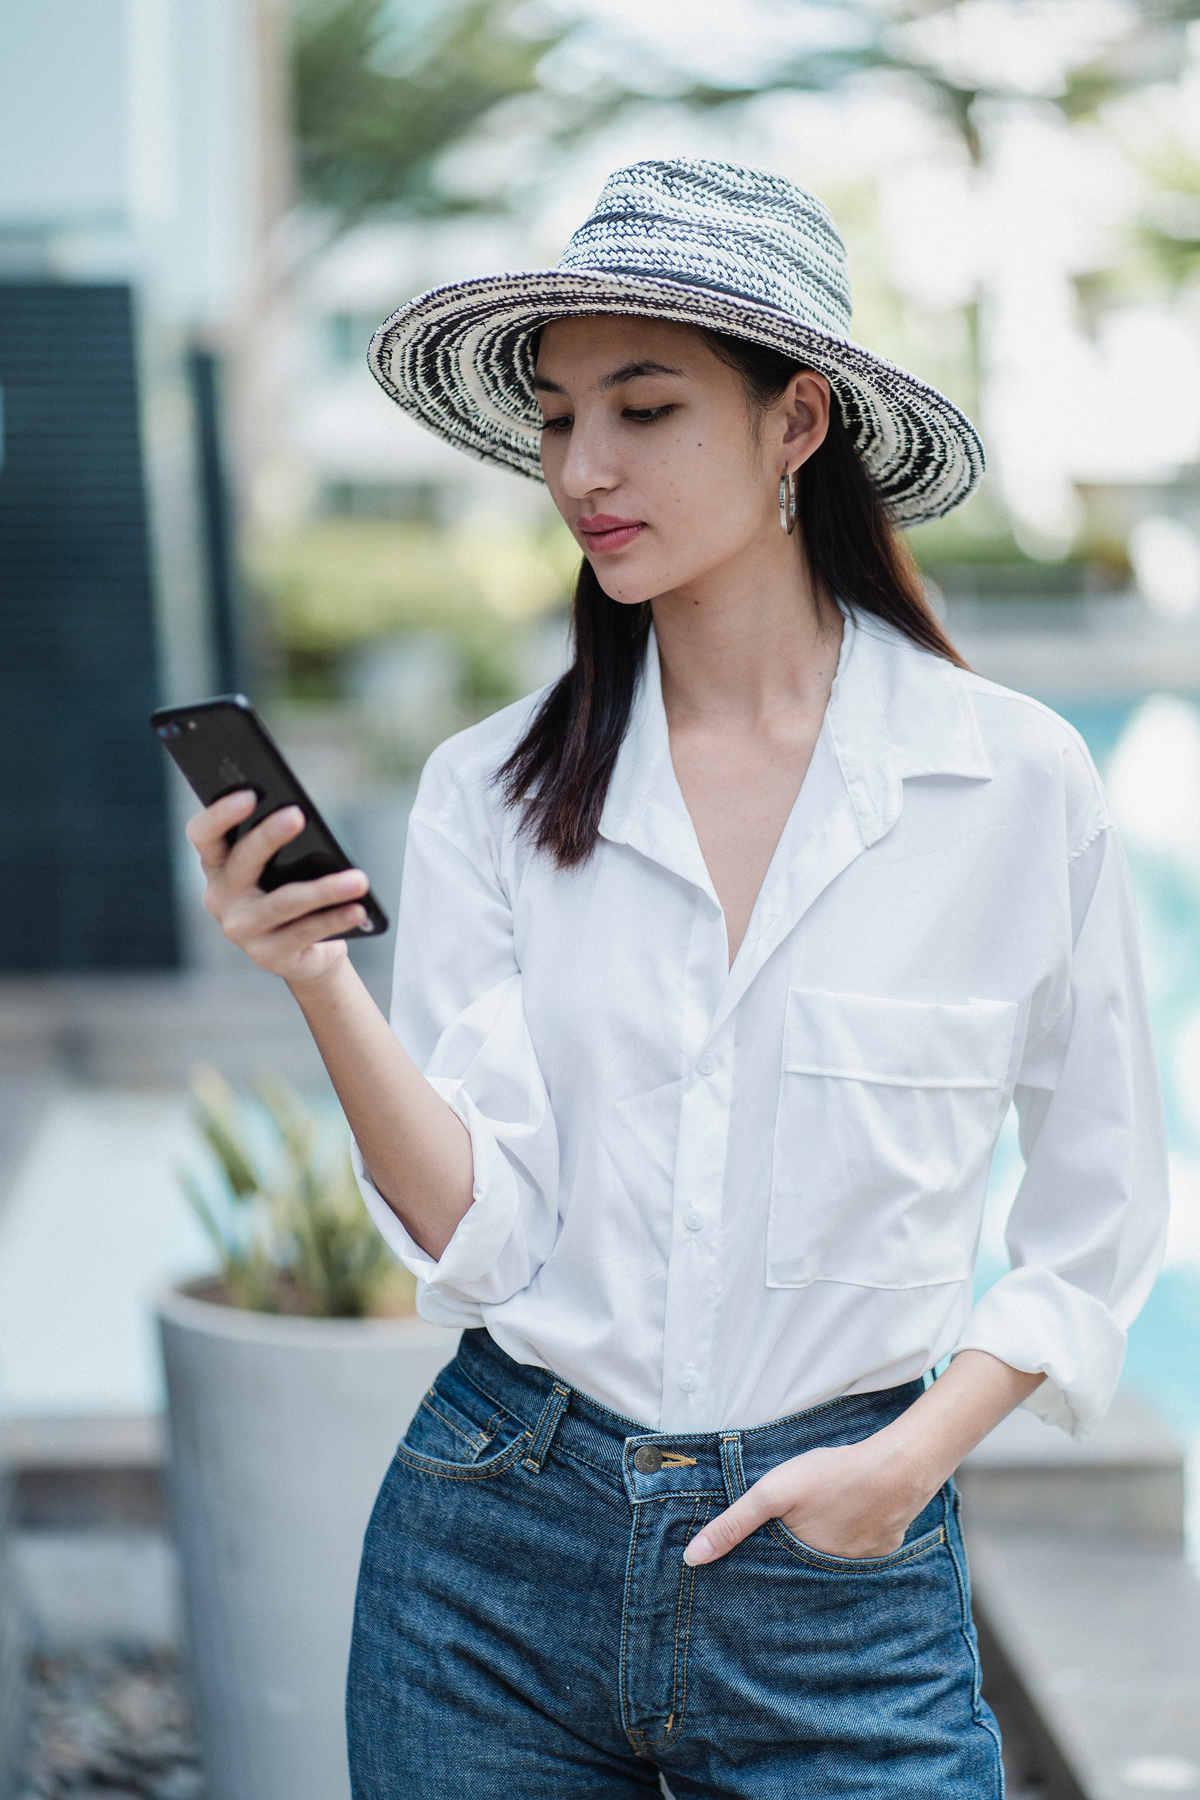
{"type": "Point", "coordinates": [564, 422]}
{"type": "Point", "coordinates": [646, 415]}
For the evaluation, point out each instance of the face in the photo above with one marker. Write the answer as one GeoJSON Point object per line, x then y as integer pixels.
{"type": "Point", "coordinates": [655, 459]}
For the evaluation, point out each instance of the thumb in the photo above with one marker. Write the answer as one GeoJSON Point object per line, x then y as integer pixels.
{"type": "Point", "coordinates": [729, 1528]}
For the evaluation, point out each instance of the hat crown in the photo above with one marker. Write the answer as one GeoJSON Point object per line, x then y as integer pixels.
{"type": "Point", "coordinates": [736, 231]}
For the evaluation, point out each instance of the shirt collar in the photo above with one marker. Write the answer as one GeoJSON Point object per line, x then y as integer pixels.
{"type": "Point", "coordinates": [898, 712]}
{"type": "Point", "coordinates": [895, 713]}
{"type": "Point", "coordinates": [644, 806]}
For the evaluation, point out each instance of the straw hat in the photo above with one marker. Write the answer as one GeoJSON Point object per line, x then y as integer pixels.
{"type": "Point", "coordinates": [701, 243]}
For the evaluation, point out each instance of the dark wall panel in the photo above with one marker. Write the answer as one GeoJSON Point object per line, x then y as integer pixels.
{"type": "Point", "coordinates": [86, 875]}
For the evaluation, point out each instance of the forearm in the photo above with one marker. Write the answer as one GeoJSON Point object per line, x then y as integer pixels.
{"type": "Point", "coordinates": [416, 1147]}
{"type": "Point", "coordinates": [925, 1445]}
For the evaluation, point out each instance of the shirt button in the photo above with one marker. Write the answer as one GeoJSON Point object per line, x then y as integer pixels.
{"type": "Point", "coordinates": [706, 1065]}
{"type": "Point", "coordinates": [693, 1220]}
{"type": "Point", "coordinates": [689, 1382]}
{"type": "Point", "coordinates": [647, 1459]}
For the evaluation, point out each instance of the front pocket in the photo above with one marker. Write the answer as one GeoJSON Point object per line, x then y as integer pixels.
{"type": "Point", "coordinates": [458, 1428]}
{"type": "Point", "coordinates": [888, 1115]}
{"type": "Point", "coordinates": [856, 1565]}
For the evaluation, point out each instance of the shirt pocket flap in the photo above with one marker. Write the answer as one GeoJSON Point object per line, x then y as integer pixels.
{"type": "Point", "coordinates": [898, 1043]}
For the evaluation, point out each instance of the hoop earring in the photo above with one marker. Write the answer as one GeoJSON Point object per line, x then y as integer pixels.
{"type": "Point", "coordinates": [788, 485]}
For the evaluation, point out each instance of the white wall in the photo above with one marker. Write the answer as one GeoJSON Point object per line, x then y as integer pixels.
{"type": "Point", "coordinates": [129, 143]}
{"type": "Point", "coordinates": [63, 149]}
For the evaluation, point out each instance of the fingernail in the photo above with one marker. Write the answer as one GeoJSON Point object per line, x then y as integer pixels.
{"type": "Point", "coordinates": [350, 882]}
{"type": "Point", "coordinates": [698, 1551]}
{"type": "Point", "coordinates": [291, 815]}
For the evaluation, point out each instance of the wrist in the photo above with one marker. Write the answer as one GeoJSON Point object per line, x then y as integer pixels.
{"type": "Point", "coordinates": [903, 1463]}
{"type": "Point", "coordinates": [325, 988]}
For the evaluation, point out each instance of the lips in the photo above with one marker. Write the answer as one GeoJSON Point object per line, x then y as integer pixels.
{"type": "Point", "coordinates": [604, 532]}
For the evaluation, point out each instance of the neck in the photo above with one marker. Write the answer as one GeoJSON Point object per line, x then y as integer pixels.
{"type": "Point", "coordinates": [742, 643]}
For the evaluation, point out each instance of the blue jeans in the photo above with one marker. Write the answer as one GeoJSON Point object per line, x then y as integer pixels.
{"type": "Point", "coordinates": [526, 1625]}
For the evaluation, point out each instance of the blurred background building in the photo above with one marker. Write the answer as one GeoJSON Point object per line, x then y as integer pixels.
{"type": "Point", "coordinates": [207, 206]}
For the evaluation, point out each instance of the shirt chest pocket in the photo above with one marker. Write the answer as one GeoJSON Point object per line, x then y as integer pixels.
{"type": "Point", "coordinates": [888, 1115]}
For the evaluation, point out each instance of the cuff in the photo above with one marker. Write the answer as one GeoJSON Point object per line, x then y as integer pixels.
{"type": "Point", "coordinates": [1034, 1320]}
{"type": "Point", "coordinates": [484, 1229]}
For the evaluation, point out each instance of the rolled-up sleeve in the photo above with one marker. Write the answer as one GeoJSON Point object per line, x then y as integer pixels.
{"type": "Point", "coordinates": [1087, 1228]}
{"type": "Point", "coordinates": [457, 1009]}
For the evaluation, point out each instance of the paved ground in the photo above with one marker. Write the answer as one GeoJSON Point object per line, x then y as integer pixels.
{"type": "Point", "coordinates": [109, 1725]}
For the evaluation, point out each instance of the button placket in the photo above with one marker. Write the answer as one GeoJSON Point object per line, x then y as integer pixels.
{"type": "Point", "coordinates": [693, 1277]}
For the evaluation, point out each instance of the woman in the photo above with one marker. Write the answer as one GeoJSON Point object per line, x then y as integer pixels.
{"type": "Point", "coordinates": [718, 965]}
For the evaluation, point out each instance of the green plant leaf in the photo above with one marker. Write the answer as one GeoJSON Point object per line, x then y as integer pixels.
{"type": "Point", "coordinates": [302, 1238]}
{"type": "Point", "coordinates": [220, 1119]}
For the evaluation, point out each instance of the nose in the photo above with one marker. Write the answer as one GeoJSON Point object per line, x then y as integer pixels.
{"type": "Point", "coordinates": [587, 467]}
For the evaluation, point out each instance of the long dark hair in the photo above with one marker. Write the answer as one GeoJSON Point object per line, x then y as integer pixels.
{"type": "Point", "coordinates": [560, 771]}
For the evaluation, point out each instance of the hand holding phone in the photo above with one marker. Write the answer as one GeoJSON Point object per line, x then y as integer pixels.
{"type": "Point", "coordinates": [278, 880]}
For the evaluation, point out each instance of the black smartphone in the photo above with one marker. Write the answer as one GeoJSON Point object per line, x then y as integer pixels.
{"type": "Point", "coordinates": [222, 745]}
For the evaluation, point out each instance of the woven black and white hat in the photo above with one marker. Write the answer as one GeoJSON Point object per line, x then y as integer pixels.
{"type": "Point", "coordinates": [701, 243]}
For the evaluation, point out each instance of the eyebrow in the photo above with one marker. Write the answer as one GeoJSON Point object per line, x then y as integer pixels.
{"type": "Point", "coordinates": [617, 378]}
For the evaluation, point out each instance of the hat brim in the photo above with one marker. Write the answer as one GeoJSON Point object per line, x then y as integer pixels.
{"type": "Point", "coordinates": [459, 359]}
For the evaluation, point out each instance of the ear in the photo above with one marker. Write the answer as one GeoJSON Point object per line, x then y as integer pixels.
{"type": "Point", "coordinates": [805, 408]}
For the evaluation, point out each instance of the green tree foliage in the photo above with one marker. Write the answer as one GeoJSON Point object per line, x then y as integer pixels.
{"type": "Point", "coordinates": [375, 108]}
{"type": "Point", "coordinates": [370, 125]}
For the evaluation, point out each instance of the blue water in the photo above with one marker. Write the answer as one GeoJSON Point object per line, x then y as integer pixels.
{"type": "Point", "coordinates": [1163, 1360]}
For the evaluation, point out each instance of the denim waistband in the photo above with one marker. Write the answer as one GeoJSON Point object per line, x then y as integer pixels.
{"type": "Point", "coordinates": [559, 1416]}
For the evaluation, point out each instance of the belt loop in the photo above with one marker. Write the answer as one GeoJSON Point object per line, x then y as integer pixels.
{"type": "Point", "coordinates": [546, 1427]}
{"type": "Point", "coordinates": [731, 1465]}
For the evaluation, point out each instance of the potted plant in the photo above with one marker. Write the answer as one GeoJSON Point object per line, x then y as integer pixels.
{"type": "Point", "coordinates": [291, 1375]}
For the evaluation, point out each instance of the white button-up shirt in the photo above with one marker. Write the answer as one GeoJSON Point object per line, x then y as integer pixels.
{"type": "Point", "coordinates": [710, 1196]}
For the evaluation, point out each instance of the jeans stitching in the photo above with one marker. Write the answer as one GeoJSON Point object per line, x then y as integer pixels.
{"type": "Point", "coordinates": [951, 1500]}
{"type": "Point", "coordinates": [659, 1743]}
{"type": "Point", "coordinates": [867, 1565]}
{"type": "Point", "coordinates": [678, 1686]}
{"type": "Point", "coordinates": [632, 1734]}
{"type": "Point", "coordinates": [480, 1438]}
{"type": "Point", "coordinates": [429, 1465]}
{"type": "Point", "coordinates": [731, 1466]}
{"type": "Point", "coordinates": [547, 1425]}
{"type": "Point", "coordinates": [681, 1494]}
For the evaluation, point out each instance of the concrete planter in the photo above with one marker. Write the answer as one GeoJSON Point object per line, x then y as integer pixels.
{"type": "Point", "coordinates": [281, 1430]}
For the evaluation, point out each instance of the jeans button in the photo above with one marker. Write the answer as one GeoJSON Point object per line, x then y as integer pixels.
{"type": "Point", "coordinates": [647, 1459]}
